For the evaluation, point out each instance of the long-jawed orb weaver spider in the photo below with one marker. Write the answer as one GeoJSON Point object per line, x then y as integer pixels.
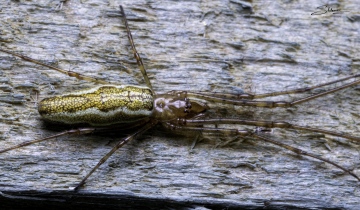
{"type": "Point", "coordinates": [138, 107]}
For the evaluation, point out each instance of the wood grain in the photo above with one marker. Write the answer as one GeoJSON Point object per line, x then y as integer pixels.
{"type": "Point", "coordinates": [220, 46]}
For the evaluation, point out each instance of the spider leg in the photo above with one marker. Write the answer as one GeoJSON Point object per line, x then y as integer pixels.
{"type": "Point", "coordinates": [305, 89]}
{"type": "Point", "coordinates": [78, 131]}
{"type": "Point", "coordinates": [136, 54]}
{"type": "Point", "coordinates": [304, 153]}
{"type": "Point", "coordinates": [267, 124]}
{"type": "Point", "coordinates": [69, 73]}
{"type": "Point", "coordinates": [121, 143]}
{"type": "Point", "coordinates": [249, 133]}
{"type": "Point", "coordinates": [218, 98]}
{"type": "Point", "coordinates": [59, 6]}
{"type": "Point", "coordinates": [286, 92]}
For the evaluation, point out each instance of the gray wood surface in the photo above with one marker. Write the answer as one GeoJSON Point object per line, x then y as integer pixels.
{"type": "Point", "coordinates": [219, 46]}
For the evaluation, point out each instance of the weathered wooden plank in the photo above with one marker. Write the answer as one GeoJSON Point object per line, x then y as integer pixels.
{"type": "Point", "coordinates": [210, 46]}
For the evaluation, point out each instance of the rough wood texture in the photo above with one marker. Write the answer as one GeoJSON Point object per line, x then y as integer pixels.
{"type": "Point", "coordinates": [216, 46]}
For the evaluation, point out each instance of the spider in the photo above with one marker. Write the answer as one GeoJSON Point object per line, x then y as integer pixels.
{"type": "Point", "coordinates": [141, 108]}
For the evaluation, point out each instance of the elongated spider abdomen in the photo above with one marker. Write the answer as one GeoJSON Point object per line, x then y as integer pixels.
{"type": "Point", "coordinates": [99, 106]}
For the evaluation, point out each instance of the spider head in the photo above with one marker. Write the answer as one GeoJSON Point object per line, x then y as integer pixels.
{"type": "Point", "coordinates": [176, 104]}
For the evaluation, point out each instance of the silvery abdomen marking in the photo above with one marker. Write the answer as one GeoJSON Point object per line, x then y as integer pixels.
{"type": "Point", "coordinates": [100, 106]}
